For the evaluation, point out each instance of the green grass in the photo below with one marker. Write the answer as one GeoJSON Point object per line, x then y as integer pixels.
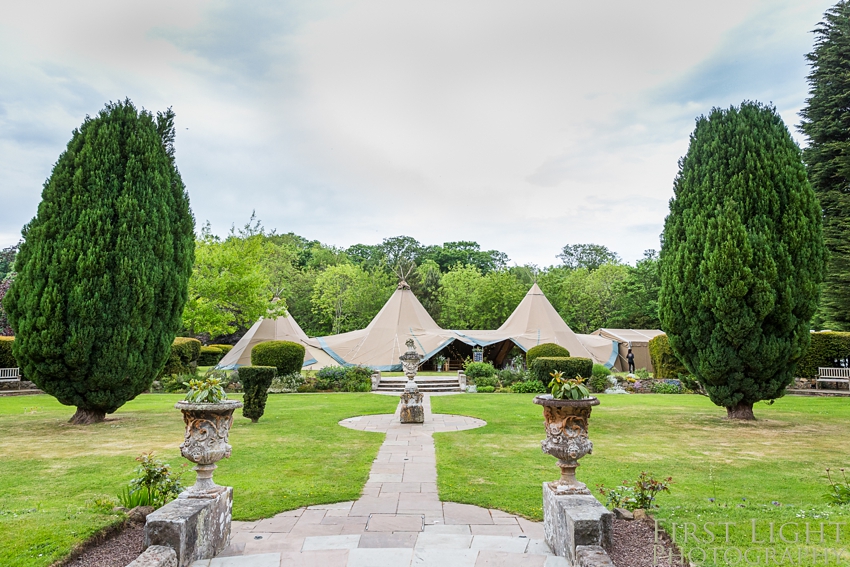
{"type": "Point", "coordinates": [53, 474]}
{"type": "Point", "coordinates": [779, 458]}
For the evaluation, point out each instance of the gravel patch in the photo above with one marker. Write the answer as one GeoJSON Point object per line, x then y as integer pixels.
{"type": "Point", "coordinates": [634, 545]}
{"type": "Point", "coordinates": [116, 550]}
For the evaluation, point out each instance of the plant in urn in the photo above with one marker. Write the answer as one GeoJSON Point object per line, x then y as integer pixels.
{"type": "Point", "coordinates": [565, 412]}
{"type": "Point", "coordinates": [412, 410]}
{"type": "Point", "coordinates": [208, 415]}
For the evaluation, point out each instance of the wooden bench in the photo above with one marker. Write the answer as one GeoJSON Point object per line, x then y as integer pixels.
{"type": "Point", "coordinates": [10, 375]}
{"type": "Point", "coordinates": [833, 375]}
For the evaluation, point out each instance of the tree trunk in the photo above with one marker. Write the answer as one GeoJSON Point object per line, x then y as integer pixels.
{"type": "Point", "coordinates": [741, 411]}
{"type": "Point", "coordinates": [87, 417]}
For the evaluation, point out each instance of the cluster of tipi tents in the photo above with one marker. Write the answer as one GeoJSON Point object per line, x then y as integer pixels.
{"type": "Point", "coordinates": [380, 344]}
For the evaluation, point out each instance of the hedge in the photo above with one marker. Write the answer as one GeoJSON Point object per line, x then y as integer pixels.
{"type": "Point", "coordinates": [664, 361]}
{"type": "Point", "coordinates": [546, 349]}
{"type": "Point", "coordinates": [255, 383]}
{"type": "Point", "coordinates": [6, 358]}
{"type": "Point", "coordinates": [824, 348]}
{"type": "Point", "coordinates": [184, 356]}
{"type": "Point", "coordinates": [572, 367]}
{"type": "Point", "coordinates": [286, 356]}
{"type": "Point", "coordinates": [344, 379]}
{"type": "Point", "coordinates": [210, 356]}
{"type": "Point", "coordinates": [477, 370]}
{"type": "Point", "coordinates": [224, 348]}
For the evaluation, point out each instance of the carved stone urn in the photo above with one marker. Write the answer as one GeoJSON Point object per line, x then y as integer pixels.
{"type": "Point", "coordinates": [412, 410]}
{"type": "Point", "coordinates": [207, 426]}
{"type": "Point", "coordinates": [566, 438]}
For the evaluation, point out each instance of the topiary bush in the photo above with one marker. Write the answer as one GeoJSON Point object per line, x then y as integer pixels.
{"type": "Point", "coordinates": [529, 387]}
{"type": "Point", "coordinates": [546, 349]}
{"type": "Point", "coordinates": [572, 367]}
{"type": "Point", "coordinates": [825, 347]}
{"type": "Point", "coordinates": [255, 383]}
{"type": "Point", "coordinates": [477, 370]}
{"type": "Point", "coordinates": [224, 348]}
{"type": "Point", "coordinates": [7, 360]}
{"type": "Point", "coordinates": [183, 358]}
{"type": "Point", "coordinates": [286, 356]}
{"type": "Point", "coordinates": [664, 360]}
{"type": "Point", "coordinates": [210, 356]}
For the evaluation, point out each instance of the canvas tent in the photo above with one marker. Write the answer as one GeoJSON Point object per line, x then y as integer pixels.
{"type": "Point", "coordinates": [379, 345]}
{"type": "Point", "coordinates": [637, 340]}
{"type": "Point", "coordinates": [277, 329]}
{"type": "Point", "coordinates": [536, 322]}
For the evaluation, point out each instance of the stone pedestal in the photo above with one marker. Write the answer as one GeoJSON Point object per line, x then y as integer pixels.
{"type": "Point", "coordinates": [574, 520]}
{"type": "Point", "coordinates": [195, 528]}
{"type": "Point", "coordinates": [412, 410]}
{"type": "Point", "coordinates": [376, 379]}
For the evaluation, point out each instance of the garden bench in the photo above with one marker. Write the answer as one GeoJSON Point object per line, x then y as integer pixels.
{"type": "Point", "coordinates": [833, 375]}
{"type": "Point", "coordinates": [10, 375]}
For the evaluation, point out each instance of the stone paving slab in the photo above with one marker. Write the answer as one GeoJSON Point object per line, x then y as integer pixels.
{"type": "Point", "coordinates": [399, 521]}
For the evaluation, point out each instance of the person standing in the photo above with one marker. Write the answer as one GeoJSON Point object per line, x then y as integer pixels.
{"type": "Point", "coordinates": [631, 358]}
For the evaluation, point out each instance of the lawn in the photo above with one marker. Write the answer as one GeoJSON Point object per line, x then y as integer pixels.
{"type": "Point", "coordinates": [58, 479]}
{"type": "Point", "coordinates": [771, 470]}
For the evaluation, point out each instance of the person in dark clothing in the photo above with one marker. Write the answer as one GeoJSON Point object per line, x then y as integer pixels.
{"type": "Point", "coordinates": [631, 358]}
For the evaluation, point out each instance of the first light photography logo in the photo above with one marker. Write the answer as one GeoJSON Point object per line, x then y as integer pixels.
{"type": "Point", "coordinates": [757, 543]}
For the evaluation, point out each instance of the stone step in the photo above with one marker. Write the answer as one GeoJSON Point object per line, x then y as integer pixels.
{"type": "Point", "coordinates": [4, 393]}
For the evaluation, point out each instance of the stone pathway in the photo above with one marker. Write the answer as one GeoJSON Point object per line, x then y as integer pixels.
{"type": "Point", "coordinates": [399, 520]}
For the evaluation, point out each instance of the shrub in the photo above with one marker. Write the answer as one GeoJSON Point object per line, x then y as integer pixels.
{"type": "Point", "coordinates": [285, 384]}
{"type": "Point", "coordinates": [664, 360]}
{"type": "Point", "coordinates": [487, 382]}
{"type": "Point", "coordinates": [183, 358]}
{"type": "Point", "coordinates": [643, 374]}
{"type": "Point", "coordinates": [155, 484]}
{"type": "Point", "coordinates": [175, 383]}
{"type": "Point", "coordinates": [598, 383]}
{"type": "Point", "coordinates": [356, 379]}
{"type": "Point", "coordinates": [286, 356]}
{"type": "Point", "coordinates": [328, 377]}
{"type": "Point", "coordinates": [224, 348]}
{"type": "Point", "coordinates": [529, 387]}
{"type": "Point", "coordinates": [600, 370]}
{"type": "Point", "coordinates": [840, 493]}
{"type": "Point", "coordinates": [486, 389]}
{"type": "Point", "coordinates": [825, 347]}
{"type": "Point", "coordinates": [640, 495]}
{"type": "Point", "coordinates": [509, 376]}
{"type": "Point", "coordinates": [477, 370]}
{"type": "Point", "coordinates": [207, 390]}
{"type": "Point", "coordinates": [6, 358]}
{"type": "Point", "coordinates": [255, 382]}
{"type": "Point", "coordinates": [210, 356]}
{"type": "Point", "coordinates": [572, 367]}
{"type": "Point", "coordinates": [665, 387]}
{"type": "Point", "coordinates": [546, 349]}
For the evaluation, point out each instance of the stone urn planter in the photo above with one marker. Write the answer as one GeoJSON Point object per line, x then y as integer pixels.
{"type": "Point", "coordinates": [566, 438]}
{"type": "Point", "coordinates": [207, 427]}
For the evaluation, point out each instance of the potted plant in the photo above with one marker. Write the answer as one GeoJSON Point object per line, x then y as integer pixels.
{"type": "Point", "coordinates": [208, 415]}
{"type": "Point", "coordinates": [566, 412]}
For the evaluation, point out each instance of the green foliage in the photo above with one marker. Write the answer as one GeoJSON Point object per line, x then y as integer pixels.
{"type": "Point", "coordinates": [183, 358]}
{"type": "Point", "coordinates": [529, 387]}
{"type": "Point", "coordinates": [665, 387]}
{"type": "Point", "coordinates": [598, 382]}
{"type": "Point", "coordinates": [824, 349]}
{"type": "Point", "coordinates": [344, 379]}
{"type": "Point", "coordinates": [471, 300]}
{"type": "Point", "coordinates": [223, 348]}
{"type": "Point", "coordinates": [742, 257]}
{"type": "Point", "coordinates": [600, 371]}
{"type": "Point", "coordinates": [175, 383]}
{"type": "Point", "coordinates": [485, 389]}
{"type": "Point", "coordinates": [586, 299]}
{"type": "Point", "coordinates": [209, 356]}
{"type": "Point", "coordinates": [7, 260]}
{"type": "Point", "coordinates": [546, 349]}
{"type": "Point", "coordinates": [286, 383]}
{"type": "Point", "coordinates": [7, 359]}
{"type": "Point", "coordinates": [827, 156]}
{"type": "Point", "coordinates": [563, 388]}
{"type": "Point", "coordinates": [643, 374]}
{"type": "Point", "coordinates": [256, 381]}
{"type": "Point", "coordinates": [485, 380]}
{"type": "Point", "coordinates": [840, 491]}
{"type": "Point", "coordinates": [102, 273]}
{"type": "Point", "coordinates": [329, 377]}
{"type": "Point", "coordinates": [155, 484]}
{"type": "Point", "coordinates": [476, 370]}
{"type": "Point", "coordinates": [641, 495]}
{"type": "Point", "coordinates": [636, 295]}
{"type": "Point", "coordinates": [664, 360]}
{"type": "Point", "coordinates": [207, 390]}
{"type": "Point", "coordinates": [286, 356]}
{"type": "Point", "coordinates": [587, 256]}
{"type": "Point", "coordinates": [346, 297]}
{"type": "Point", "coordinates": [508, 376]}
{"type": "Point", "coordinates": [572, 367]}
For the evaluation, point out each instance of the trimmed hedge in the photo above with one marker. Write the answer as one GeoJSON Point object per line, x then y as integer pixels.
{"type": "Point", "coordinates": [6, 358]}
{"type": "Point", "coordinates": [546, 349]}
{"type": "Point", "coordinates": [210, 356]}
{"type": "Point", "coordinates": [255, 383]}
{"type": "Point", "coordinates": [824, 348]}
{"type": "Point", "coordinates": [224, 348]}
{"type": "Point", "coordinates": [184, 356]}
{"type": "Point", "coordinates": [571, 366]}
{"type": "Point", "coordinates": [664, 361]}
{"type": "Point", "coordinates": [286, 356]}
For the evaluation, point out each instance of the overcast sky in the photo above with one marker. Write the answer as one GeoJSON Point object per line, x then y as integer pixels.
{"type": "Point", "coordinates": [523, 125]}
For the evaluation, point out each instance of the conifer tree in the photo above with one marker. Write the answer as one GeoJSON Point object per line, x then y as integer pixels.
{"type": "Point", "coordinates": [103, 269]}
{"type": "Point", "coordinates": [826, 123]}
{"type": "Point", "coordinates": [742, 257]}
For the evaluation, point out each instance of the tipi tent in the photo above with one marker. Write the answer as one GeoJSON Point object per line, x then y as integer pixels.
{"type": "Point", "coordinates": [379, 345]}
{"type": "Point", "coordinates": [535, 322]}
{"type": "Point", "coordinates": [637, 340]}
{"type": "Point", "coordinates": [277, 329]}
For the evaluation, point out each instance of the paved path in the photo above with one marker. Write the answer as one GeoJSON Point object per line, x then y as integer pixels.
{"type": "Point", "coordinates": [399, 520]}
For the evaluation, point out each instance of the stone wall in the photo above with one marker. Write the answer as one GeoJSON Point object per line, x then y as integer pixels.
{"type": "Point", "coordinates": [573, 521]}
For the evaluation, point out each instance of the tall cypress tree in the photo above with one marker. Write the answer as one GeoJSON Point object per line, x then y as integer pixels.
{"type": "Point", "coordinates": [103, 270]}
{"type": "Point", "coordinates": [826, 122]}
{"type": "Point", "coordinates": [742, 257]}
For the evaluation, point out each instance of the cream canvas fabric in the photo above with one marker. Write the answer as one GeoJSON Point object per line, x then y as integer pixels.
{"type": "Point", "coordinates": [637, 340]}
{"type": "Point", "coordinates": [279, 329]}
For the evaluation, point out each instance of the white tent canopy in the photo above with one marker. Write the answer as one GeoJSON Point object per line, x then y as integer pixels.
{"type": "Point", "coordinates": [277, 329]}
